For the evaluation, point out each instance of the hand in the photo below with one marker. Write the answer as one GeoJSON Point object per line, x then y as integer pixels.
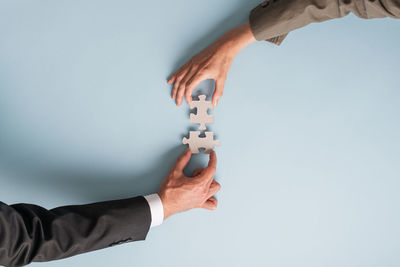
{"type": "Point", "coordinates": [180, 193]}
{"type": "Point", "coordinates": [213, 62]}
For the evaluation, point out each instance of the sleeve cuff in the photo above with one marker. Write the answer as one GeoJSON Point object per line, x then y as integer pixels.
{"type": "Point", "coordinates": [278, 39]}
{"type": "Point", "coordinates": [156, 209]}
{"type": "Point", "coordinates": [258, 23]}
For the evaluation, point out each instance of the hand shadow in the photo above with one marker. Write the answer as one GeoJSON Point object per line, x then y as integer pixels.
{"type": "Point", "coordinates": [89, 185]}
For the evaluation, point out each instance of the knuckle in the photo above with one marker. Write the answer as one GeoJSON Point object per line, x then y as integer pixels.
{"type": "Point", "coordinates": [217, 186]}
{"type": "Point", "coordinates": [205, 68]}
{"type": "Point", "coordinates": [203, 193]}
{"type": "Point", "coordinates": [189, 84]}
{"type": "Point", "coordinates": [185, 78]}
{"type": "Point", "coordinates": [180, 76]}
{"type": "Point", "coordinates": [181, 90]}
{"type": "Point", "coordinates": [169, 184]}
{"type": "Point", "coordinates": [201, 72]}
{"type": "Point", "coordinates": [203, 181]}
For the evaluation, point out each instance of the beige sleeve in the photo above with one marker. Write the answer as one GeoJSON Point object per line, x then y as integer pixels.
{"type": "Point", "coordinates": [273, 20]}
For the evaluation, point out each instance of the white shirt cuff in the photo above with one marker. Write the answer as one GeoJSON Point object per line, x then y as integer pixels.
{"type": "Point", "coordinates": [156, 209]}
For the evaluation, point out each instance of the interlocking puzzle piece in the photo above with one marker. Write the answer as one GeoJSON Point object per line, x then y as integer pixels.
{"type": "Point", "coordinates": [195, 142]}
{"type": "Point", "coordinates": [201, 117]}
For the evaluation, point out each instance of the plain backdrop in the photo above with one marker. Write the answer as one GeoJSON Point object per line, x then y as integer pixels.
{"type": "Point", "coordinates": [309, 160]}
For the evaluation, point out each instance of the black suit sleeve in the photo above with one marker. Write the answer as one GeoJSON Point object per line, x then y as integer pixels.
{"type": "Point", "coordinates": [31, 233]}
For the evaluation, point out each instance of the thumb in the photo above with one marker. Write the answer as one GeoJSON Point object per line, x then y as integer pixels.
{"type": "Point", "coordinates": [208, 173]}
{"type": "Point", "coordinates": [219, 90]}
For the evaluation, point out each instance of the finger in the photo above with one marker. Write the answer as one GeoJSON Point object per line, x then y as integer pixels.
{"type": "Point", "coordinates": [177, 79]}
{"type": "Point", "coordinates": [171, 79]}
{"type": "Point", "coordinates": [181, 88]}
{"type": "Point", "coordinates": [193, 83]}
{"type": "Point", "coordinates": [210, 204]}
{"type": "Point", "coordinates": [183, 84]}
{"type": "Point", "coordinates": [188, 88]}
{"type": "Point", "coordinates": [176, 84]}
{"type": "Point", "coordinates": [183, 160]}
{"type": "Point", "coordinates": [175, 88]}
{"type": "Point", "coordinates": [209, 171]}
{"type": "Point", "coordinates": [197, 172]}
{"type": "Point", "coordinates": [219, 90]}
{"type": "Point", "coordinates": [179, 95]}
{"type": "Point", "coordinates": [214, 188]}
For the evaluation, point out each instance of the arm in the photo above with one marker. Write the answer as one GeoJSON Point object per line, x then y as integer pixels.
{"type": "Point", "coordinates": [30, 233]}
{"type": "Point", "coordinates": [271, 21]}
{"type": "Point", "coordinates": [276, 18]}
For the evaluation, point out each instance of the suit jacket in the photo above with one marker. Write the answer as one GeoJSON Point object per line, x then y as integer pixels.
{"type": "Point", "coordinates": [272, 20]}
{"type": "Point", "coordinates": [31, 233]}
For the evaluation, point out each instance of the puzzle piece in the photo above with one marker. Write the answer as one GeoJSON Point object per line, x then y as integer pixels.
{"type": "Point", "coordinates": [195, 142]}
{"type": "Point", "coordinates": [201, 117]}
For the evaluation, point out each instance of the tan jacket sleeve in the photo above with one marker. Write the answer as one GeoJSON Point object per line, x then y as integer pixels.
{"type": "Point", "coordinates": [273, 20]}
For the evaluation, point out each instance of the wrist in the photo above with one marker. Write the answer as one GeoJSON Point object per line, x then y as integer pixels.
{"type": "Point", "coordinates": [237, 39]}
{"type": "Point", "coordinates": [166, 206]}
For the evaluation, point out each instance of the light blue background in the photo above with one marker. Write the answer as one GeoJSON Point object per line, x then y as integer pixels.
{"type": "Point", "coordinates": [309, 162]}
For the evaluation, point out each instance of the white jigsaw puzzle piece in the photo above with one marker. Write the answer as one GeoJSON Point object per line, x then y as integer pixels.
{"type": "Point", "coordinates": [195, 142]}
{"type": "Point", "coordinates": [201, 117]}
